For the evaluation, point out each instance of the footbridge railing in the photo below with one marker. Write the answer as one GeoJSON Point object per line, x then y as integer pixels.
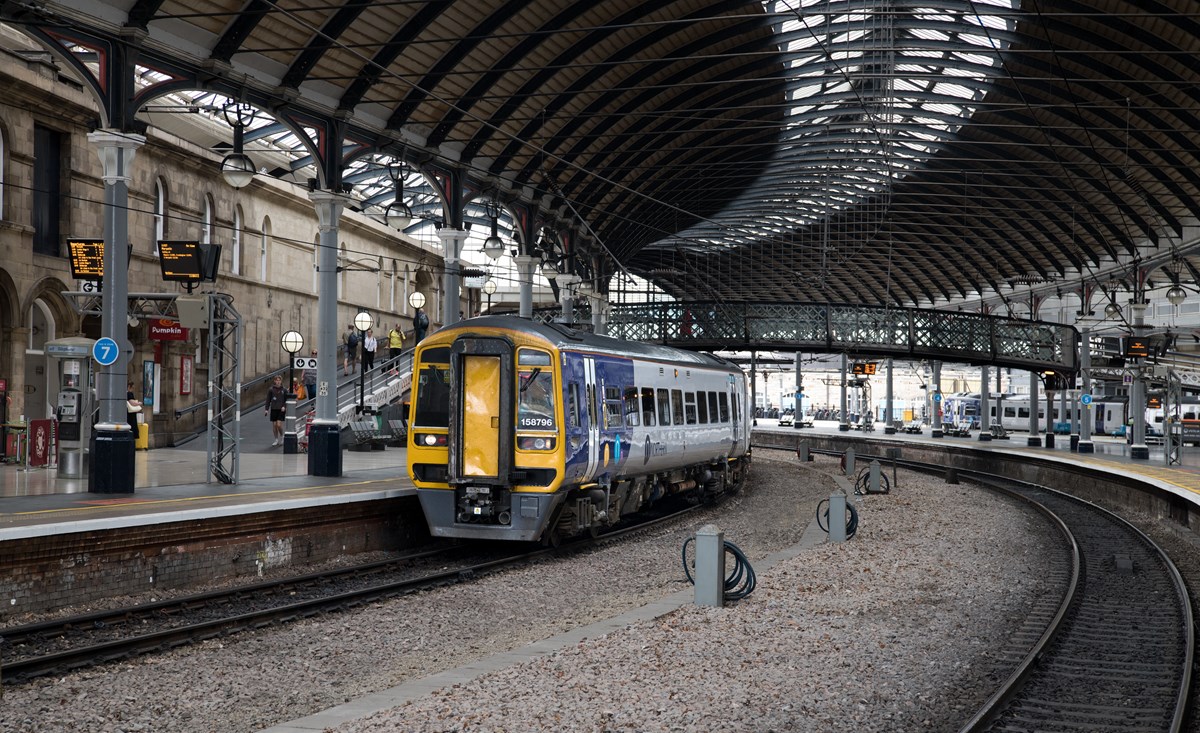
{"type": "Point", "coordinates": [859, 330]}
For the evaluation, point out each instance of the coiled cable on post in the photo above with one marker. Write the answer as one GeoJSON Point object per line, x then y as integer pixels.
{"type": "Point", "coordinates": [739, 581]}
{"type": "Point", "coordinates": [851, 518]}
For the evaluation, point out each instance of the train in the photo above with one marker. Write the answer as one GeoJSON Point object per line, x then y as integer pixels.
{"type": "Point", "coordinates": [1109, 413]}
{"type": "Point", "coordinates": [528, 431]}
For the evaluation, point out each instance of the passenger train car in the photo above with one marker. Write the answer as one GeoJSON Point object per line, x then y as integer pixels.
{"type": "Point", "coordinates": [1109, 414]}
{"type": "Point", "coordinates": [521, 430]}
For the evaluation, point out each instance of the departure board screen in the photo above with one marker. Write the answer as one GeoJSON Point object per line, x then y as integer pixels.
{"type": "Point", "coordinates": [87, 259]}
{"type": "Point", "coordinates": [180, 261]}
{"type": "Point", "coordinates": [1136, 348]}
{"type": "Point", "coordinates": [864, 367]}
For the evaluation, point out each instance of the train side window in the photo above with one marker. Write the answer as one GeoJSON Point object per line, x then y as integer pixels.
{"type": "Point", "coordinates": [648, 406]}
{"type": "Point", "coordinates": [1023, 412]}
{"type": "Point", "coordinates": [632, 418]}
{"type": "Point", "coordinates": [612, 408]}
{"type": "Point", "coordinates": [712, 407]}
{"type": "Point", "coordinates": [664, 407]}
{"type": "Point", "coordinates": [689, 407]}
{"type": "Point", "coordinates": [573, 405]}
{"type": "Point", "coordinates": [677, 407]}
{"type": "Point", "coordinates": [1010, 412]}
{"type": "Point", "coordinates": [724, 407]}
{"type": "Point", "coordinates": [701, 407]}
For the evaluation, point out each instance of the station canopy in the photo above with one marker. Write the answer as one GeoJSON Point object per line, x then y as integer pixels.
{"type": "Point", "coordinates": [889, 152]}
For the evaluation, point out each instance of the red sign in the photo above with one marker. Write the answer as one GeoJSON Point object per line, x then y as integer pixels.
{"type": "Point", "coordinates": [164, 329]}
{"type": "Point", "coordinates": [39, 442]}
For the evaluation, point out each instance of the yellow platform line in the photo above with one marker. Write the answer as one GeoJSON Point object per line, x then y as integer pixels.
{"type": "Point", "coordinates": [182, 500]}
{"type": "Point", "coordinates": [1170, 476]}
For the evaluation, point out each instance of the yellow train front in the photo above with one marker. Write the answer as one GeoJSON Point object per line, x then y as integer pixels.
{"type": "Point", "coordinates": [528, 431]}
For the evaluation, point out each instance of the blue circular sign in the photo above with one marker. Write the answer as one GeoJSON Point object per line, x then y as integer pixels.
{"type": "Point", "coordinates": [937, 396]}
{"type": "Point", "coordinates": [105, 351]}
{"type": "Point", "coordinates": [1085, 398]}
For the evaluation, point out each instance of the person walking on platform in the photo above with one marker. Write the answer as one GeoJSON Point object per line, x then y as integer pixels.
{"type": "Point", "coordinates": [370, 345]}
{"type": "Point", "coordinates": [395, 345]}
{"type": "Point", "coordinates": [350, 344]}
{"type": "Point", "coordinates": [133, 407]}
{"type": "Point", "coordinates": [276, 408]}
{"type": "Point", "coordinates": [420, 326]}
{"type": "Point", "coordinates": [309, 378]}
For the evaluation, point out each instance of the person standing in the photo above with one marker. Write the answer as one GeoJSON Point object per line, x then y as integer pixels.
{"type": "Point", "coordinates": [420, 326]}
{"type": "Point", "coordinates": [350, 344]}
{"type": "Point", "coordinates": [309, 377]}
{"type": "Point", "coordinates": [276, 408]}
{"type": "Point", "coordinates": [395, 344]}
{"type": "Point", "coordinates": [370, 345]}
{"type": "Point", "coordinates": [132, 409]}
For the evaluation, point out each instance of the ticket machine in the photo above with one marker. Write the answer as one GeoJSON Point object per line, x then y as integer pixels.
{"type": "Point", "coordinates": [71, 393]}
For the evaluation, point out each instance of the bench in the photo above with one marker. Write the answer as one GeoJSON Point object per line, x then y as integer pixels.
{"type": "Point", "coordinates": [366, 436]}
{"type": "Point", "coordinates": [398, 437]}
{"type": "Point", "coordinates": [960, 430]}
{"type": "Point", "coordinates": [913, 427]}
{"type": "Point", "coordinates": [998, 432]}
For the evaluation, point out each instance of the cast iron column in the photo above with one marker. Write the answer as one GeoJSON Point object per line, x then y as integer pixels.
{"type": "Point", "coordinates": [110, 468]}
{"type": "Point", "coordinates": [1085, 420]}
{"type": "Point", "coordinates": [324, 437]}
{"type": "Point", "coordinates": [985, 408]}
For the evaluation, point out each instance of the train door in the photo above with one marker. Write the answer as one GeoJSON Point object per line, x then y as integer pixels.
{"type": "Point", "coordinates": [736, 414]}
{"type": "Point", "coordinates": [481, 412]}
{"type": "Point", "coordinates": [592, 419]}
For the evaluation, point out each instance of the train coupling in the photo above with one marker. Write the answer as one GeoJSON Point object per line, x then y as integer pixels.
{"type": "Point", "coordinates": [477, 504]}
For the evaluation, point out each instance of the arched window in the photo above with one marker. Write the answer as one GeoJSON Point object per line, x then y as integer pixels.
{"type": "Point", "coordinates": [262, 250]}
{"type": "Point", "coordinates": [235, 254]}
{"type": "Point", "coordinates": [160, 212]}
{"type": "Point", "coordinates": [206, 230]}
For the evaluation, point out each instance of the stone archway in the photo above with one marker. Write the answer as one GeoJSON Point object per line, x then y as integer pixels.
{"type": "Point", "coordinates": [46, 316]}
{"type": "Point", "coordinates": [12, 356]}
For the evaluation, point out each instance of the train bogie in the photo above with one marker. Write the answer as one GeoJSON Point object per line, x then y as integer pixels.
{"type": "Point", "coordinates": [528, 431]}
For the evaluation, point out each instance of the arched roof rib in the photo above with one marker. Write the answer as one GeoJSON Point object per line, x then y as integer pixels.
{"type": "Point", "coordinates": [903, 152]}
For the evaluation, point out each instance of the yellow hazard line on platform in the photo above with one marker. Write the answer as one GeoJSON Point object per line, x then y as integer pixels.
{"type": "Point", "coordinates": [182, 500]}
{"type": "Point", "coordinates": [1181, 478]}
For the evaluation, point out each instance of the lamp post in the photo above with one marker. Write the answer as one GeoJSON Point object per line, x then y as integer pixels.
{"type": "Point", "coordinates": [489, 287]}
{"type": "Point", "coordinates": [292, 342]}
{"type": "Point", "coordinates": [362, 322]}
{"type": "Point", "coordinates": [236, 168]}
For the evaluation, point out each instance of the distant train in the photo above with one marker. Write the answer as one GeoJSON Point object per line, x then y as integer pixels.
{"type": "Point", "coordinates": [1109, 414]}
{"type": "Point", "coordinates": [529, 431]}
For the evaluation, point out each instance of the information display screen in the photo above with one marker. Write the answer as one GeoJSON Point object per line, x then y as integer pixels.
{"type": "Point", "coordinates": [87, 259]}
{"type": "Point", "coordinates": [864, 367]}
{"type": "Point", "coordinates": [180, 261]}
{"type": "Point", "coordinates": [1136, 348]}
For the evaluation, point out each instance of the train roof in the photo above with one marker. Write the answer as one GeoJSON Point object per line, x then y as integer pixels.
{"type": "Point", "coordinates": [562, 337]}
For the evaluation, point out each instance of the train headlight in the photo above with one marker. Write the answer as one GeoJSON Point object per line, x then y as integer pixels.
{"type": "Point", "coordinates": [539, 442]}
{"type": "Point", "coordinates": [429, 440]}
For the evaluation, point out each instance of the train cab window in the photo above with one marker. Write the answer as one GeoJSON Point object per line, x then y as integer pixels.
{"type": "Point", "coordinates": [724, 407]}
{"type": "Point", "coordinates": [664, 407]}
{"type": "Point", "coordinates": [632, 413]}
{"type": "Point", "coordinates": [535, 394]}
{"type": "Point", "coordinates": [712, 406]}
{"type": "Point", "coordinates": [677, 407]}
{"type": "Point", "coordinates": [433, 397]}
{"type": "Point", "coordinates": [648, 406]}
{"type": "Point", "coordinates": [701, 407]}
{"type": "Point", "coordinates": [612, 408]}
{"type": "Point", "coordinates": [689, 407]}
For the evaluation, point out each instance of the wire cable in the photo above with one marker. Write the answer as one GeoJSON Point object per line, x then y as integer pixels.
{"type": "Point", "coordinates": [851, 518]}
{"type": "Point", "coordinates": [740, 581]}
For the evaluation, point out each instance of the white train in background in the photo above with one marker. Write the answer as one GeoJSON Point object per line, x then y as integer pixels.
{"type": "Point", "coordinates": [1109, 414]}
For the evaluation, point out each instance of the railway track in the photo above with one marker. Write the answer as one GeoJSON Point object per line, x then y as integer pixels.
{"type": "Point", "coordinates": [59, 646]}
{"type": "Point", "coordinates": [1115, 651]}
{"type": "Point", "coordinates": [1118, 654]}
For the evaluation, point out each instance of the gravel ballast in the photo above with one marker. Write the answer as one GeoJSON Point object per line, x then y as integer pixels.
{"type": "Point", "coordinates": [893, 630]}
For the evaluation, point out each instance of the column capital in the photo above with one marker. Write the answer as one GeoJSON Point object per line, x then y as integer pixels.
{"type": "Point", "coordinates": [328, 205]}
{"type": "Point", "coordinates": [116, 150]}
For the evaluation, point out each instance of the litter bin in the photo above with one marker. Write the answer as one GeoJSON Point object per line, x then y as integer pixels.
{"type": "Point", "coordinates": [142, 441]}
